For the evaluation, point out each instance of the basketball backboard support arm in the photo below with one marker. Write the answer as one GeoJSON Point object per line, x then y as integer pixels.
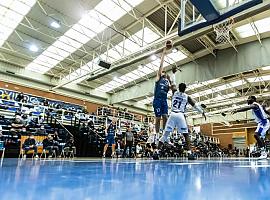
{"type": "Point", "coordinates": [212, 17]}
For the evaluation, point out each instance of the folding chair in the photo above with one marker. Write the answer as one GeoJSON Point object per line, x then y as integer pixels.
{"type": "Point", "coordinates": [44, 152]}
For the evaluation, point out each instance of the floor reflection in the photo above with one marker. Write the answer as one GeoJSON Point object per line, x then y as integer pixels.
{"type": "Point", "coordinates": [129, 179]}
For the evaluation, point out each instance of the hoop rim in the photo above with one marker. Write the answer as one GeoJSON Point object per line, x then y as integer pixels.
{"type": "Point", "coordinates": [229, 21]}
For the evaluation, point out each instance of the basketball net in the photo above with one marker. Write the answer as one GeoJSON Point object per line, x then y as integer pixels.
{"type": "Point", "coordinates": [223, 30]}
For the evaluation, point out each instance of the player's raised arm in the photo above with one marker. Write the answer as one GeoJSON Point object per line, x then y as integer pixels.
{"type": "Point", "coordinates": [249, 107]}
{"type": "Point", "coordinates": [173, 80]}
{"type": "Point", "coordinates": [168, 46]}
{"type": "Point", "coordinates": [196, 106]}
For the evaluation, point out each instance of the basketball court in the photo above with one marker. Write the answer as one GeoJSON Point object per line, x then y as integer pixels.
{"type": "Point", "coordinates": [81, 78]}
{"type": "Point", "coordinates": [129, 179]}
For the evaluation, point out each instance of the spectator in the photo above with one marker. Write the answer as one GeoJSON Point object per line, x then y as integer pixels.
{"type": "Point", "coordinates": [139, 150]}
{"type": "Point", "coordinates": [41, 130]}
{"type": "Point", "coordinates": [55, 136]}
{"type": "Point", "coordinates": [1, 131]}
{"type": "Point", "coordinates": [17, 124]}
{"type": "Point", "coordinates": [50, 145]}
{"type": "Point", "coordinates": [129, 141]}
{"type": "Point", "coordinates": [24, 131]}
{"type": "Point", "coordinates": [91, 124]}
{"type": "Point", "coordinates": [5, 95]}
{"type": "Point", "coordinates": [70, 146]}
{"type": "Point", "coordinates": [24, 100]}
{"type": "Point", "coordinates": [45, 102]}
{"type": "Point", "coordinates": [30, 120]}
{"type": "Point", "coordinates": [84, 129]}
{"type": "Point", "coordinates": [35, 102]}
{"type": "Point", "coordinates": [19, 97]}
{"type": "Point", "coordinates": [30, 144]}
{"type": "Point", "coordinates": [119, 148]}
{"type": "Point", "coordinates": [25, 120]}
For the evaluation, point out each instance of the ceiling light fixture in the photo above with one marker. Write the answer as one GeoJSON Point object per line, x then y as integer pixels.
{"type": "Point", "coordinates": [33, 48]}
{"type": "Point", "coordinates": [55, 24]}
{"type": "Point", "coordinates": [175, 50]}
{"type": "Point", "coordinates": [153, 57]}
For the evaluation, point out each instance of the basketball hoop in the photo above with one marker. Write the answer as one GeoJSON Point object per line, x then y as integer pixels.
{"type": "Point", "coordinates": [223, 30]}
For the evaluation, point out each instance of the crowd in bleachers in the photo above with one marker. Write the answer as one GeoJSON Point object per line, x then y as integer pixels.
{"type": "Point", "coordinates": [22, 121]}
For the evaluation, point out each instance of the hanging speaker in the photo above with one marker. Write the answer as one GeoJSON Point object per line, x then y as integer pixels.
{"type": "Point", "coordinates": [104, 64]}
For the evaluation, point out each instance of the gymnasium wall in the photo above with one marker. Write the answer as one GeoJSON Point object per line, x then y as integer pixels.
{"type": "Point", "coordinates": [91, 107]}
{"type": "Point", "coordinates": [226, 133]}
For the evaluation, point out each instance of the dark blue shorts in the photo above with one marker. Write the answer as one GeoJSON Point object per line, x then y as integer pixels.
{"type": "Point", "coordinates": [160, 107]}
{"type": "Point", "coordinates": [110, 140]}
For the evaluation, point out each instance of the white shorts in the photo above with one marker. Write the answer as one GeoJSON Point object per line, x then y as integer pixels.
{"type": "Point", "coordinates": [262, 128]}
{"type": "Point", "coordinates": [177, 120]}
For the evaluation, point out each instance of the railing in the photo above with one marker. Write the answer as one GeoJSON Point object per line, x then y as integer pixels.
{"type": "Point", "coordinates": [63, 127]}
{"type": "Point", "coordinates": [113, 112]}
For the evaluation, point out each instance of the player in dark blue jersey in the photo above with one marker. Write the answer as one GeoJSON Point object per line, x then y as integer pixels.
{"type": "Point", "coordinates": [110, 132]}
{"type": "Point", "coordinates": [162, 87]}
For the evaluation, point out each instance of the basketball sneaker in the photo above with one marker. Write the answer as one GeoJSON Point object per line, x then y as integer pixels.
{"type": "Point", "coordinates": [263, 155]}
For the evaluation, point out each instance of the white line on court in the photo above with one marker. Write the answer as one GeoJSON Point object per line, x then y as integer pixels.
{"type": "Point", "coordinates": [252, 166]}
{"type": "Point", "coordinates": [186, 163]}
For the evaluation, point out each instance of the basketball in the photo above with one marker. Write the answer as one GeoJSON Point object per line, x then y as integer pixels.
{"type": "Point", "coordinates": [169, 44]}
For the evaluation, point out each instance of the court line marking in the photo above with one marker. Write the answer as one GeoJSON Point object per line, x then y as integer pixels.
{"type": "Point", "coordinates": [186, 163]}
{"type": "Point", "coordinates": [252, 166]}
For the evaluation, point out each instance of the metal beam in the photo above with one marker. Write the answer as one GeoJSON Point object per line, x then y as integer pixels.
{"type": "Point", "coordinates": [226, 63]}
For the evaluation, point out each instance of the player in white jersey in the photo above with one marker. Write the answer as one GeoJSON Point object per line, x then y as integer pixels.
{"type": "Point", "coordinates": [177, 117]}
{"type": "Point", "coordinates": [152, 136]}
{"type": "Point", "coordinates": [260, 115]}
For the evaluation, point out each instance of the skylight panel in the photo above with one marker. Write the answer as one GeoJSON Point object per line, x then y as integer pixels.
{"type": "Point", "coordinates": [153, 66]}
{"type": "Point", "coordinates": [266, 68]}
{"type": "Point", "coordinates": [131, 46]}
{"type": "Point", "coordinates": [53, 55]}
{"type": "Point", "coordinates": [84, 30]}
{"type": "Point", "coordinates": [76, 36]}
{"type": "Point", "coordinates": [20, 7]}
{"type": "Point", "coordinates": [110, 9]}
{"type": "Point", "coordinates": [177, 56]}
{"type": "Point", "coordinates": [12, 13]}
{"type": "Point", "coordinates": [266, 78]}
{"type": "Point", "coordinates": [245, 31]}
{"type": "Point", "coordinates": [205, 83]}
{"type": "Point", "coordinates": [145, 69]}
{"type": "Point", "coordinates": [115, 9]}
{"type": "Point", "coordinates": [127, 78]}
{"type": "Point", "coordinates": [37, 67]}
{"type": "Point", "coordinates": [236, 83]}
{"type": "Point", "coordinates": [132, 75]}
{"type": "Point", "coordinates": [62, 45]}
{"type": "Point", "coordinates": [96, 20]}
{"type": "Point", "coordinates": [149, 35]}
{"type": "Point", "coordinates": [263, 25]}
{"type": "Point", "coordinates": [115, 52]}
{"type": "Point", "coordinates": [115, 84]}
{"type": "Point", "coordinates": [134, 3]}
{"type": "Point", "coordinates": [220, 88]}
{"type": "Point", "coordinates": [120, 81]}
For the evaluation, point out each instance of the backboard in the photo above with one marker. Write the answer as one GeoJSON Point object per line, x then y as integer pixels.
{"type": "Point", "coordinates": [197, 14]}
